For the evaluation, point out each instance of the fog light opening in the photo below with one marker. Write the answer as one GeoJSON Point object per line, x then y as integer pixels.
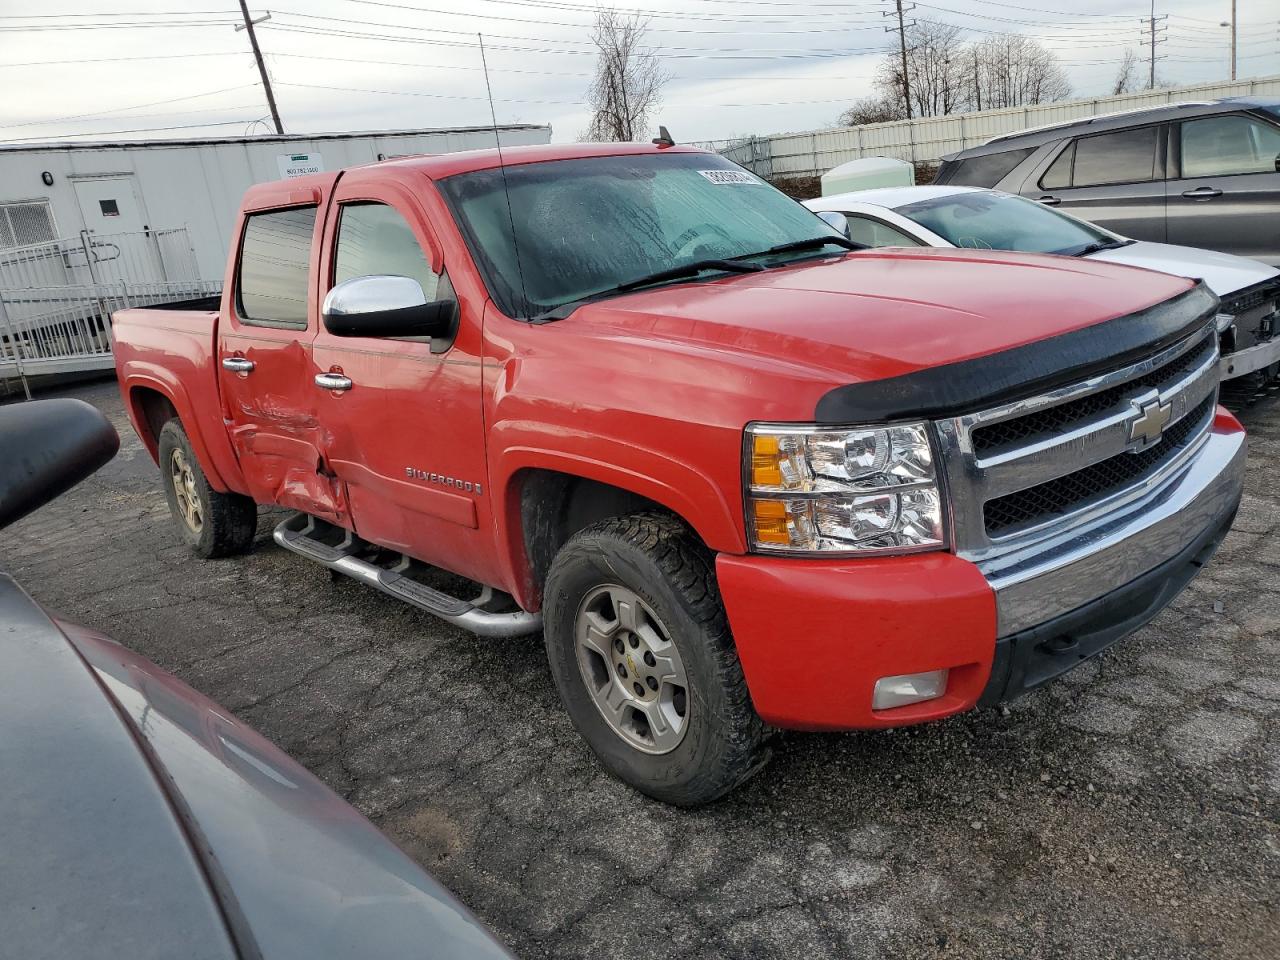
{"type": "Point", "coordinates": [908, 688]}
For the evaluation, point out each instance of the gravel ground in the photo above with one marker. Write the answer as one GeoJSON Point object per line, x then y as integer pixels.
{"type": "Point", "coordinates": [1129, 810]}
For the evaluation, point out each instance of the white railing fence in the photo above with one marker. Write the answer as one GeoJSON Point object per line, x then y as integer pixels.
{"type": "Point", "coordinates": [814, 152]}
{"type": "Point", "coordinates": [57, 297]}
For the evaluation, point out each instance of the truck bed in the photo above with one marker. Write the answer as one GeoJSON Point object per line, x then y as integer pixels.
{"type": "Point", "coordinates": [198, 304]}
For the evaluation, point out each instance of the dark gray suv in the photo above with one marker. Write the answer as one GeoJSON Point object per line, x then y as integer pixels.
{"type": "Point", "coordinates": [1197, 174]}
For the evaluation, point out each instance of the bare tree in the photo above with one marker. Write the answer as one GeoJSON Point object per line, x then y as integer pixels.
{"type": "Point", "coordinates": [1126, 80]}
{"type": "Point", "coordinates": [947, 76]}
{"type": "Point", "coordinates": [872, 110]}
{"type": "Point", "coordinates": [935, 71]}
{"type": "Point", "coordinates": [1012, 70]}
{"type": "Point", "coordinates": [628, 81]}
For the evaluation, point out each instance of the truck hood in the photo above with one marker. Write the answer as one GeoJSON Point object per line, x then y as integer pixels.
{"type": "Point", "coordinates": [1223, 273]}
{"type": "Point", "coordinates": [880, 313]}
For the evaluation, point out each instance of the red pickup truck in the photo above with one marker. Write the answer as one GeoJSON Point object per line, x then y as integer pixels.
{"type": "Point", "coordinates": [741, 474]}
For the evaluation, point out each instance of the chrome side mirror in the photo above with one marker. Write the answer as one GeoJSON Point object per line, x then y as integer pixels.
{"type": "Point", "coordinates": [838, 221]}
{"type": "Point", "coordinates": [386, 306]}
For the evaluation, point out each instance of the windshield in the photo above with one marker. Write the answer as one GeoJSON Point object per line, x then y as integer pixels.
{"type": "Point", "coordinates": [585, 226]}
{"type": "Point", "coordinates": [997, 221]}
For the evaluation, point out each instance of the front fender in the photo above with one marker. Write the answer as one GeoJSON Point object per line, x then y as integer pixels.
{"type": "Point", "coordinates": [682, 488]}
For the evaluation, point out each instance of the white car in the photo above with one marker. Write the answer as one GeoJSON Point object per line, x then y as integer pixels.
{"type": "Point", "coordinates": [952, 216]}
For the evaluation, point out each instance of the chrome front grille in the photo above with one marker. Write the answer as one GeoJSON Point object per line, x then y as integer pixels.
{"type": "Point", "coordinates": [1005, 515]}
{"type": "Point", "coordinates": [1028, 470]}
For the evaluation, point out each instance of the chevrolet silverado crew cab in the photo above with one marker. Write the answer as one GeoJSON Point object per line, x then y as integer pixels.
{"type": "Point", "coordinates": [741, 473]}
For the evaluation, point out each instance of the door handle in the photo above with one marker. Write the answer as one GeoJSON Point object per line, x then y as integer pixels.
{"type": "Point", "coordinates": [238, 364]}
{"type": "Point", "coordinates": [1202, 193]}
{"type": "Point", "coordinates": [333, 381]}
{"type": "Point", "coordinates": [1049, 201]}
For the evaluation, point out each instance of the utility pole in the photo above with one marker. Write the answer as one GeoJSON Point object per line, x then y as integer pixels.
{"type": "Point", "coordinates": [262, 67]}
{"type": "Point", "coordinates": [1233, 39]}
{"type": "Point", "coordinates": [1152, 21]}
{"type": "Point", "coordinates": [902, 45]}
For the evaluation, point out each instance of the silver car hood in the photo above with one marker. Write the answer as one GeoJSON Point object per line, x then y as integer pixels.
{"type": "Point", "coordinates": [1222, 272]}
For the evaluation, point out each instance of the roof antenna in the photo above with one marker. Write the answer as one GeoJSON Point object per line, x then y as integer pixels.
{"type": "Point", "coordinates": [497, 139]}
{"type": "Point", "coordinates": [663, 138]}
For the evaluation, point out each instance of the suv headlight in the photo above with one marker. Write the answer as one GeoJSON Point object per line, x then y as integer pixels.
{"type": "Point", "coordinates": [851, 490]}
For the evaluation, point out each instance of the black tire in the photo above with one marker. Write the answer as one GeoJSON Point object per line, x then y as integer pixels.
{"type": "Point", "coordinates": [656, 558]}
{"type": "Point", "coordinates": [227, 521]}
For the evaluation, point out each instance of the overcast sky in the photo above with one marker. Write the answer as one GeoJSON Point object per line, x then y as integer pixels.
{"type": "Point", "coordinates": [737, 66]}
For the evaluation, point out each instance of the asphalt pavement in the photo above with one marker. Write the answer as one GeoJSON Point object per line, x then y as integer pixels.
{"type": "Point", "coordinates": [1130, 810]}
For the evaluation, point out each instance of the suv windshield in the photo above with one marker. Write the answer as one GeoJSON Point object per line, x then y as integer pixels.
{"type": "Point", "coordinates": [585, 227]}
{"type": "Point", "coordinates": [997, 221]}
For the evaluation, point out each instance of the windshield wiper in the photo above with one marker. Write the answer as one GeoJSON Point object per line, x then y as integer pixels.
{"type": "Point", "coordinates": [1098, 246]}
{"type": "Point", "coordinates": [682, 272]}
{"type": "Point", "coordinates": [813, 243]}
{"type": "Point", "coordinates": [689, 270]}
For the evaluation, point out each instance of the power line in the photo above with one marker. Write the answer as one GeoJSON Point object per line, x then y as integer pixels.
{"type": "Point", "coordinates": [568, 103]}
{"type": "Point", "coordinates": [136, 106]}
{"type": "Point", "coordinates": [110, 133]}
{"type": "Point", "coordinates": [166, 24]}
{"type": "Point", "coordinates": [152, 56]}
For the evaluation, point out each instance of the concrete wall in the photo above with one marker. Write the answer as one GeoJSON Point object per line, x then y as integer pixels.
{"type": "Point", "coordinates": [814, 152]}
{"type": "Point", "coordinates": [199, 184]}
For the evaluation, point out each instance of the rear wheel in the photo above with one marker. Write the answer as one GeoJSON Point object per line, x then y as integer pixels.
{"type": "Point", "coordinates": [214, 524]}
{"type": "Point", "coordinates": [642, 656]}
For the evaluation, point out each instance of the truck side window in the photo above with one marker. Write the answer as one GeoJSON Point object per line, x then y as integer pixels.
{"type": "Point", "coordinates": [275, 260]}
{"type": "Point", "coordinates": [374, 239]}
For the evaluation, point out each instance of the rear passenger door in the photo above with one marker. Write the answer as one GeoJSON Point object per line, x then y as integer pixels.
{"type": "Point", "coordinates": [264, 360]}
{"type": "Point", "coordinates": [1113, 179]}
{"type": "Point", "coordinates": [1223, 192]}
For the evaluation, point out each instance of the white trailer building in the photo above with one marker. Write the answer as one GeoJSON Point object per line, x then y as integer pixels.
{"type": "Point", "coordinates": [86, 228]}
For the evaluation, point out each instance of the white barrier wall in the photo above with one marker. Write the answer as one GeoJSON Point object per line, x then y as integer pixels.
{"type": "Point", "coordinates": [814, 152]}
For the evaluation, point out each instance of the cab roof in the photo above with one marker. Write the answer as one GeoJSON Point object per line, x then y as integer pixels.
{"type": "Point", "coordinates": [438, 166]}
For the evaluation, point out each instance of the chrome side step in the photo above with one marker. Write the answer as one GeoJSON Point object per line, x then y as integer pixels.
{"type": "Point", "coordinates": [305, 535]}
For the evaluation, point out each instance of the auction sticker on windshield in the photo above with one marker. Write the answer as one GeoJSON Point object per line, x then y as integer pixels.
{"type": "Point", "coordinates": [730, 176]}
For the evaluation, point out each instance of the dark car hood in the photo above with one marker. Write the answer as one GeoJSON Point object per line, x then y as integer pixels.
{"type": "Point", "coordinates": [98, 854]}
{"type": "Point", "coordinates": [94, 862]}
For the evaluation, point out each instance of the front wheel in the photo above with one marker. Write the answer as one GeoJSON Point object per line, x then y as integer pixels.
{"type": "Point", "coordinates": [640, 650]}
{"type": "Point", "coordinates": [214, 524]}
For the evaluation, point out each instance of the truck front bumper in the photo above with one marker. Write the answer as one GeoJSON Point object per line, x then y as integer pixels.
{"type": "Point", "coordinates": [814, 636]}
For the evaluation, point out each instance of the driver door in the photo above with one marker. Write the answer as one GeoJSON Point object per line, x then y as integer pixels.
{"type": "Point", "coordinates": [407, 435]}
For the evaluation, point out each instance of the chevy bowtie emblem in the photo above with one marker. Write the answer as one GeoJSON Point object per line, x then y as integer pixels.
{"type": "Point", "coordinates": [1149, 421]}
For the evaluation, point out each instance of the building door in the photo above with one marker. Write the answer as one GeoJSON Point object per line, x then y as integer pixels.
{"type": "Point", "coordinates": [119, 240]}
{"type": "Point", "coordinates": [110, 205]}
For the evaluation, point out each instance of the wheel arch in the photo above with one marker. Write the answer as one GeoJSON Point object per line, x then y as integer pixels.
{"type": "Point", "coordinates": [151, 404]}
{"type": "Point", "coordinates": [546, 506]}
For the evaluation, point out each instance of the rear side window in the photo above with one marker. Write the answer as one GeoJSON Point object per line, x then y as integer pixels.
{"type": "Point", "coordinates": [1222, 146]}
{"type": "Point", "coordinates": [1126, 156]}
{"type": "Point", "coordinates": [989, 169]}
{"type": "Point", "coordinates": [1059, 173]}
{"type": "Point", "coordinates": [275, 260]}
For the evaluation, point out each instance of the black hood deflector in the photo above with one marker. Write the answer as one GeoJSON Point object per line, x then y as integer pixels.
{"type": "Point", "coordinates": [988, 381]}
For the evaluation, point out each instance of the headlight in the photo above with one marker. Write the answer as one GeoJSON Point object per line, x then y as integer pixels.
{"type": "Point", "coordinates": [859, 489]}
